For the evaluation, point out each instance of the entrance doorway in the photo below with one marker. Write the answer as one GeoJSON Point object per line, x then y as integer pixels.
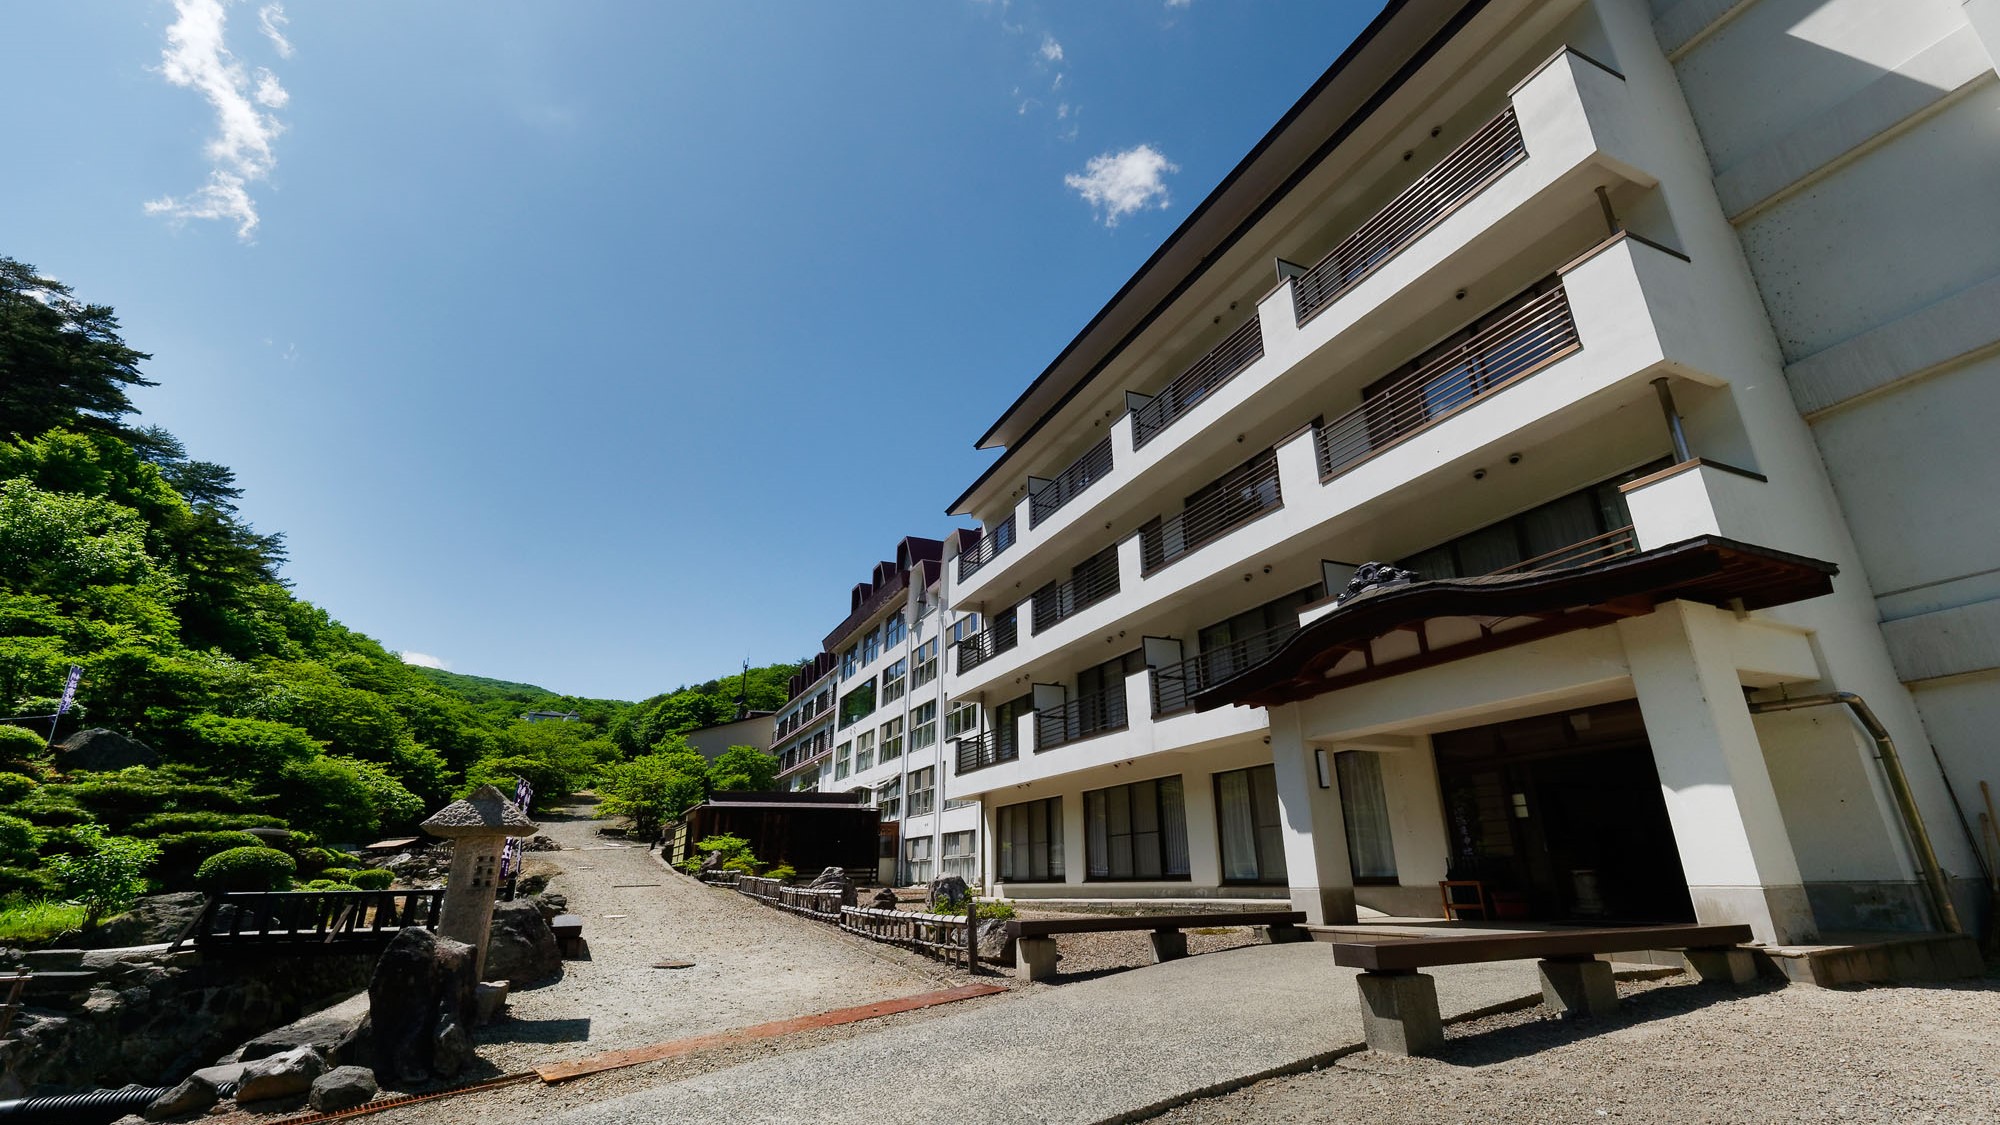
{"type": "Point", "coordinates": [1561, 818]}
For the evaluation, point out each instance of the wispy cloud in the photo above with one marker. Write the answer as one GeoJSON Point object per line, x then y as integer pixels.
{"type": "Point", "coordinates": [1117, 184]}
{"type": "Point", "coordinates": [1051, 51]}
{"type": "Point", "coordinates": [424, 660]}
{"type": "Point", "coordinates": [198, 58]}
{"type": "Point", "coordinates": [1179, 3]}
{"type": "Point", "coordinates": [271, 21]}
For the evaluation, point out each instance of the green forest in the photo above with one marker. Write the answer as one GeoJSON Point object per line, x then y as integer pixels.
{"type": "Point", "coordinates": [124, 555]}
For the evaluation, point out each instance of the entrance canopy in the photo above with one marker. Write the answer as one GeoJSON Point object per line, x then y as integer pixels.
{"type": "Point", "coordinates": [1386, 631]}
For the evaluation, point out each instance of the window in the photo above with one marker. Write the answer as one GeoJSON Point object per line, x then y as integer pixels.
{"type": "Point", "coordinates": [1136, 831]}
{"type": "Point", "coordinates": [892, 739]}
{"type": "Point", "coordinates": [964, 627]}
{"type": "Point", "coordinates": [959, 857]}
{"type": "Point", "coordinates": [871, 646]}
{"type": "Point", "coordinates": [1538, 533]}
{"type": "Point", "coordinates": [1246, 813]}
{"type": "Point", "coordinates": [926, 669]}
{"type": "Point", "coordinates": [1222, 655]}
{"type": "Point", "coordinates": [842, 759]}
{"type": "Point", "coordinates": [850, 662]}
{"type": "Point", "coordinates": [864, 751]}
{"type": "Point", "coordinates": [892, 680]}
{"type": "Point", "coordinates": [923, 790]}
{"type": "Point", "coordinates": [857, 703]}
{"type": "Point", "coordinates": [1365, 807]}
{"type": "Point", "coordinates": [893, 632]}
{"type": "Point", "coordinates": [889, 799]}
{"type": "Point", "coordinates": [923, 725]}
{"type": "Point", "coordinates": [1030, 838]}
{"type": "Point", "coordinates": [961, 718]}
{"type": "Point", "coordinates": [918, 853]}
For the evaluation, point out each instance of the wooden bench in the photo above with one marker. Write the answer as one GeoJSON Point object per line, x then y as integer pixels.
{"type": "Point", "coordinates": [1399, 1011]}
{"type": "Point", "coordinates": [568, 929]}
{"type": "Point", "coordinates": [1035, 943]}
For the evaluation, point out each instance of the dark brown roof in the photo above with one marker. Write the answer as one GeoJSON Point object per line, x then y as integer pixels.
{"type": "Point", "coordinates": [1515, 608]}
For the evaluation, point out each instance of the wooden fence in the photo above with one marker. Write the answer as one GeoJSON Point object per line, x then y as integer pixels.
{"type": "Point", "coordinates": [941, 935]}
{"type": "Point", "coordinates": [822, 905]}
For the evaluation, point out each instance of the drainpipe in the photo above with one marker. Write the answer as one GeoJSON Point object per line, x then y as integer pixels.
{"type": "Point", "coordinates": [1674, 430]}
{"type": "Point", "coordinates": [1899, 787]}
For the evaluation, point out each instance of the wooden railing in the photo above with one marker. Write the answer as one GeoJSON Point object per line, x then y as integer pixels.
{"type": "Point", "coordinates": [1232, 500]}
{"type": "Point", "coordinates": [1612, 544]}
{"type": "Point", "coordinates": [979, 751]}
{"type": "Point", "coordinates": [941, 935]}
{"type": "Point", "coordinates": [817, 903]}
{"type": "Point", "coordinates": [1176, 685]}
{"type": "Point", "coordinates": [1511, 348]}
{"type": "Point", "coordinates": [1001, 633]}
{"type": "Point", "coordinates": [1086, 716]}
{"type": "Point", "coordinates": [313, 921]}
{"type": "Point", "coordinates": [1086, 470]}
{"type": "Point", "coordinates": [1463, 172]}
{"type": "Point", "coordinates": [996, 540]}
{"type": "Point", "coordinates": [1223, 362]}
{"type": "Point", "coordinates": [1093, 580]}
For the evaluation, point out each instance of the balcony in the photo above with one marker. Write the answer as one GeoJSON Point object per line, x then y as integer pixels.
{"type": "Point", "coordinates": [1095, 464]}
{"type": "Point", "coordinates": [1237, 351]}
{"type": "Point", "coordinates": [1091, 582]}
{"type": "Point", "coordinates": [990, 546]}
{"type": "Point", "coordinates": [1510, 347]}
{"type": "Point", "coordinates": [1003, 633]}
{"type": "Point", "coordinates": [1175, 685]}
{"type": "Point", "coordinates": [980, 751]}
{"type": "Point", "coordinates": [1218, 508]}
{"type": "Point", "coordinates": [1084, 717]}
{"type": "Point", "coordinates": [1616, 543]}
{"type": "Point", "coordinates": [1463, 173]}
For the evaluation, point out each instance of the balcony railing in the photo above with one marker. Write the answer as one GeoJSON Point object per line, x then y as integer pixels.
{"type": "Point", "coordinates": [1175, 685]}
{"type": "Point", "coordinates": [1512, 347]}
{"type": "Point", "coordinates": [1234, 499]}
{"type": "Point", "coordinates": [978, 751]}
{"type": "Point", "coordinates": [1083, 717]}
{"type": "Point", "coordinates": [1617, 542]}
{"type": "Point", "coordinates": [1001, 634]}
{"type": "Point", "coordinates": [991, 544]}
{"type": "Point", "coordinates": [1093, 581]}
{"type": "Point", "coordinates": [1462, 174]}
{"type": "Point", "coordinates": [1093, 466]}
{"type": "Point", "coordinates": [1237, 351]}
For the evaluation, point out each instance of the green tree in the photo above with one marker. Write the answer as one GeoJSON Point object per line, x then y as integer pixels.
{"type": "Point", "coordinates": [108, 877]}
{"type": "Point", "coordinates": [651, 790]}
{"type": "Point", "coordinates": [742, 768]}
{"type": "Point", "coordinates": [61, 360]}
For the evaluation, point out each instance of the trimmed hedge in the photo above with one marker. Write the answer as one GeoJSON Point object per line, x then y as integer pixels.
{"type": "Point", "coordinates": [28, 882]}
{"type": "Point", "coordinates": [373, 878]}
{"type": "Point", "coordinates": [163, 824]}
{"type": "Point", "coordinates": [246, 869]}
{"type": "Point", "coordinates": [14, 786]}
{"type": "Point", "coordinates": [183, 853]}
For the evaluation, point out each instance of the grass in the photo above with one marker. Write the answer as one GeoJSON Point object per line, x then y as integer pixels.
{"type": "Point", "coordinates": [31, 923]}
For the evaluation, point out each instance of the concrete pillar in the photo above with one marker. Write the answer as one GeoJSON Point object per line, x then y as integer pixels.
{"type": "Point", "coordinates": [478, 827]}
{"type": "Point", "coordinates": [1204, 848]}
{"type": "Point", "coordinates": [1073, 841]}
{"type": "Point", "coordinates": [1579, 988]}
{"type": "Point", "coordinates": [1035, 958]}
{"type": "Point", "coordinates": [1723, 966]}
{"type": "Point", "coordinates": [1168, 945]}
{"type": "Point", "coordinates": [1728, 828]}
{"type": "Point", "coordinates": [1315, 832]}
{"type": "Point", "coordinates": [1399, 1013]}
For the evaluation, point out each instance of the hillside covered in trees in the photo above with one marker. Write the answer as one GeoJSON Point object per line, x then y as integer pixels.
{"type": "Point", "coordinates": [122, 554]}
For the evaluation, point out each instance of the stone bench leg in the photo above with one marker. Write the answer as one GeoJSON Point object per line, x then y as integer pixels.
{"type": "Point", "coordinates": [1723, 966]}
{"type": "Point", "coordinates": [1282, 935]}
{"type": "Point", "coordinates": [1035, 958]}
{"type": "Point", "coordinates": [1579, 987]}
{"type": "Point", "coordinates": [1168, 945]}
{"type": "Point", "coordinates": [1399, 1013]}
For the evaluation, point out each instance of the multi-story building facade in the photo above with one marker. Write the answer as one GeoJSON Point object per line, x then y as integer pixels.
{"type": "Point", "coordinates": [867, 717]}
{"type": "Point", "coordinates": [1519, 344]}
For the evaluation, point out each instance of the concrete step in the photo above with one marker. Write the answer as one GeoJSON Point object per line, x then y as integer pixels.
{"type": "Point", "coordinates": [1879, 959]}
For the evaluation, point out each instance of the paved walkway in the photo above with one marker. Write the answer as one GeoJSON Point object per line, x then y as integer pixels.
{"type": "Point", "coordinates": [1081, 1052]}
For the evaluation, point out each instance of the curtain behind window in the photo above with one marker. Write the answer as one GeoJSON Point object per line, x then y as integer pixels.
{"type": "Point", "coordinates": [1365, 806]}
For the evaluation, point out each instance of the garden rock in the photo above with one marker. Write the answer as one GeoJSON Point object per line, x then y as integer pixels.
{"type": "Point", "coordinates": [520, 948]}
{"type": "Point", "coordinates": [193, 1095]}
{"type": "Point", "coordinates": [280, 1076]}
{"type": "Point", "coordinates": [101, 750]}
{"type": "Point", "coordinates": [994, 944]}
{"type": "Point", "coordinates": [831, 877]}
{"type": "Point", "coordinates": [343, 1087]}
{"type": "Point", "coordinates": [420, 1002]}
{"type": "Point", "coordinates": [947, 891]}
{"type": "Point", "coordinates": [551, 903]}
{"type": "Point", "coordinates": [884, 899]}
{"type": "Point", "coordinates": [153, 919]}
{"type": "Point", "coordinates": [491, 1000]}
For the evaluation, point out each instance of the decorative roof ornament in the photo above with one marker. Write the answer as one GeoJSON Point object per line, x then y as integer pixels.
{"type": "Point", "coordinates": [484, 812]}
{"type": "Point", "coordinates": [1374, 576]}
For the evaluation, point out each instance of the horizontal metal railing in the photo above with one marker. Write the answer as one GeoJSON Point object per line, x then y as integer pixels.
{"type": "Point", "coordinates": [1510, 348]}
{"type": "Point", "coordinates": [1612, 544]}
{"type": "Point", "coordinates": [1000, 634]}
{"type": "Point", "coordinates": [1234, 499]}
{"type": "Point", "coordinates": [978, 751]}
{"type": "Point", "coordinates": [1461, 174]}
{"type": "Point", "coordinates": [990, 545]}
{"type": "Point", "coordinates": [1091, 582]}
{"type": "Point", "coordinates": [1086, 716]}
{"type": "Point", "coordinates": [1176, 685]}
{"type": "Point", "coordinates": [1223, 362]}
{"type": "Point", "coordinates": [1086, 470]}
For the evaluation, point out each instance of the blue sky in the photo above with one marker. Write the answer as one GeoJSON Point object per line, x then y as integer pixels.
{"type": "Point", "coordinates": [604, 345]}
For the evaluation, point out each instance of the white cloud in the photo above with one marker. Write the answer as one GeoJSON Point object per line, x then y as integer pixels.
{"type": "Point", "coordinates": [271, 21]}
{"type": "Point", "coordinates": [197, 58]}
{"type": "Point", "coordinates": [424, 660]}
{"type": "Point", "coordinates": [1117, 184]}
{"type": "Point", "coordinates": [1179, 3]}
{"type": "Point", "coordinates": [1051, 50]}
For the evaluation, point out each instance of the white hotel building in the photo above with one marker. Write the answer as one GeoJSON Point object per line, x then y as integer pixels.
{"type": "Point", "coordinates": [1659, 341]}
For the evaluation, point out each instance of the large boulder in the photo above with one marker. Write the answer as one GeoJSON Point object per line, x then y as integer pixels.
{"type": "Point", "coordinates": [995, 947]}
{"type": "Point", "coordinates": [194, 1095]}
{"type": "Point", "coordinates": [884, 899]}
{"type": "Point", "coordinates": [423, 997]}
{"type": "Point", "coordinates": [153, 919]}
{"type": "Point", "coordinates": [949, 892]}
{"type": "Point", "coordinates": [520, 948]}
{"type": "Point", "coordinates": [280, 1076]}
{"type": "Point", "coordinates": [343, 1087]}
{"type": "Point", "coordinates": [102, 750]}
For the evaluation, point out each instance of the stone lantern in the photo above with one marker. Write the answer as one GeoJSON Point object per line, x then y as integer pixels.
{"type": "Point", "coordinates": [478, 827]}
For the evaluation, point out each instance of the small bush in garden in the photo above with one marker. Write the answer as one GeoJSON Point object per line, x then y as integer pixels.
{"type": "Point", "coordinates": [18, 745]}
{"type": "Point", "coordinates": [182, 853]}
{"type": "Point", "coordinates": [337, 874]}
{"type": "Point", "coordinates": [782, 872]}
{"type": "Point", "coordinates": [50, 810]}
{"type": "Point", "coordinates": [14, 786]}
{"type": "Point", "coordinates": [165, 824]}
{"type": "Point", "coordinates": [328, 885]}
{"type": "Point", "coordinates": [746, 864]}
{"type": "Point", "coordinates": [691, 865]}
{"type": "Point", "coordinates": [246, 869]}
{"type": "Point", "coordinates": [28, 882]}
{"type": "Point", "coordinates": [19, 841]}
{"type": "Point", "coordinates": [373, 878]}
{"type": "Point", "coordinates": [109, 878]}
{"type": "Point", "coordinates": [998, 910]}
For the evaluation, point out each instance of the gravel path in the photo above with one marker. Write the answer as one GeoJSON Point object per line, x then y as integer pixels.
{"type": "Point", "coordinates": [1678, 1052]}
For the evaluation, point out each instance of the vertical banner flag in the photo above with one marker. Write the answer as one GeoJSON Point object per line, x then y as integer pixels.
{"type": "Point", "coordinates": [69, 689]}
{"type": "Point", "coordinates": [510, 856]}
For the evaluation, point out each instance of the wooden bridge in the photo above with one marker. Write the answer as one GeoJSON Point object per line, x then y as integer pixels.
{"type": "Point", "coordinates": [308, 922]}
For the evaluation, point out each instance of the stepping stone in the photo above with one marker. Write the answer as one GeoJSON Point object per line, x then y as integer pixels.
{"type": "Point", "coordinates": [673, 963]}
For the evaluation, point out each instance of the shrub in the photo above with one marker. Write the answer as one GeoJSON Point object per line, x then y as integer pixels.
{"type": "Point", "coordinates": [28, 881]}
{"type": "Point", "coordinates": [19, 841]}
{"type": "Point", "coordinates": [373, 879]}
{"type": "Point", "coordinates": [14, 786]}
{"type": "Point", "coordinates": [49, 809]}
{"type": "Point", "coordinates": [122, 799]}
{"type": "Point", "coordinates": [337, 874]}
{"type": "Point", "coordinates": [246, 869]}
{"type": "Point", "coordinates": [19, 744]}
{"type": "Point", "coordinates": [996, 910]}
{"type": "Point", "coordinates": [328, 885]}
{"type": "Point", "coordinates": [247, 747]}
{"type": "Point", "coordinates": [782, 872]}
{"type": "Point", "coordinates": [164, 824]}
{"type": "Point", "coordinates": [183, 853]}
{"type": "Point", "coordinates": [109, 878]}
